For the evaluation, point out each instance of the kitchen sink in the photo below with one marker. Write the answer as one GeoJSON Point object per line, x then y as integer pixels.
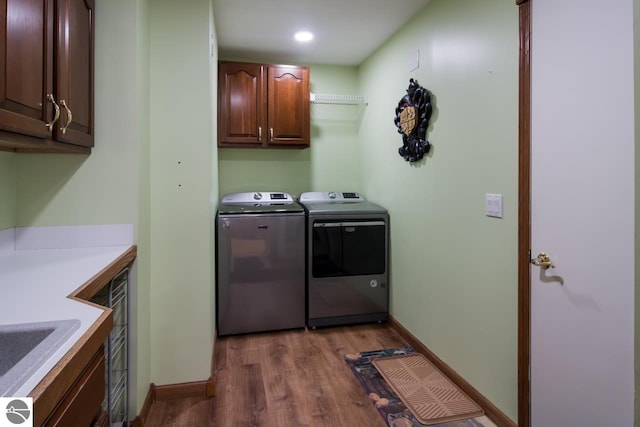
{"type": "Point", "coordinates": [24, 347]}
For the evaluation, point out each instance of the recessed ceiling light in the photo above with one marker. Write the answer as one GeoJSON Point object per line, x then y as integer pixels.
{"type": "Point", "coordinates": [303, 36]}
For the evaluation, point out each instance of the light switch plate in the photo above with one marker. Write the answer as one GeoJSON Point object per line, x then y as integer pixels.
{"type": "Point", "coordinates": [493, 205]}
{"type": "Point", "coordinates": [414, 60]}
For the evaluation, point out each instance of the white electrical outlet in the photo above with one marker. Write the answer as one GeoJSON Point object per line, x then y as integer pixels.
{"type": "Point", "coordinates": [493, 205]}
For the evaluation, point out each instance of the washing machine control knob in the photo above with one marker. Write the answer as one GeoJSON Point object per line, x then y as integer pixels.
{"type": "Point", "coordinates": [332, 195]}
{"type": "Point", "coordinates": [257, 196]}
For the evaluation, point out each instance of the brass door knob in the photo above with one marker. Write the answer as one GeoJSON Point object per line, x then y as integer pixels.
{"type": "Point", "coordinates": [543, 261]}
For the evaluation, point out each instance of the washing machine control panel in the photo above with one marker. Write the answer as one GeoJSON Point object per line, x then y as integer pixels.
{"type": "Point", "coordinates": [331, 196]}
{"type": "Point", "coordinates": [256, 196]}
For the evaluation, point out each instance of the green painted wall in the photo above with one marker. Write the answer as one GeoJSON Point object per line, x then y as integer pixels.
{"type": "Point", "coordinates": [215, 185]}
{"type": "Point", "coordinates": [335, 162]}
{"type": "Point", "coordinates": [182, 186]}
{"type": "Point", "coordinates": [453, 270]}
{"type": "Point", "coordinates": [101, 188]}
{"type": "Point", "coordinates": [112, 184]}
{"type": "Point", "coordinates": [636, 51]}
{"type": "Point", "coordinates": [151, 167]}
{"type": "Point", "coordinates": [331, 162]}
{"type": "Point", "coordinates": [8, 176]}
{"type": "Point", "coordinates": [140, 333]}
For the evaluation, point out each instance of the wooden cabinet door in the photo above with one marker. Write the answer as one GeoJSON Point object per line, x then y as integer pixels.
{"type": "Point", "coordinates": [288, 105]}
{"type": "Point", "coordinates": [82, 404]}
{"type": "Point", "coordinates": [241, 99]}
{"type": "Point", "coordinates": [26, 60]}
{"type": "Point", "coordinates": [74, 71]}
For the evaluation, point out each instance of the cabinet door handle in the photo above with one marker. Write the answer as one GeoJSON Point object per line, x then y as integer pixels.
{"type": "Point", "coordinates": [271, 134]}
{"type": "Point", "coordinates": [56, 114]}
{"type": "Point", "coordinates": [259, 133]}
{"type": "Point", "coordinates": [69, 116]}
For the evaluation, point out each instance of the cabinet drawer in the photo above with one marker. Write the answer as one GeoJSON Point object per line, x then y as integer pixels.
{"type": "Point", "coordinates": [82, 404]}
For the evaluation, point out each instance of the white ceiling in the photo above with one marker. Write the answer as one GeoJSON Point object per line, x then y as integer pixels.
{"type": "Point", "coordinates": [346, 31]}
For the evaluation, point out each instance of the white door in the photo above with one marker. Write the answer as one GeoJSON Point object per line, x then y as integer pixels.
{"type": "Point", "coordinates": [582, 206]}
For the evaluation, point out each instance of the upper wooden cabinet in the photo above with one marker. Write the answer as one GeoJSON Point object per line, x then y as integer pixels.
{"type": "Point", "coordinates": [74, 70]}
{"type": "Point", "coordinates": [46, 75]}
{"type": "Point", "coordinates": [263, 105]}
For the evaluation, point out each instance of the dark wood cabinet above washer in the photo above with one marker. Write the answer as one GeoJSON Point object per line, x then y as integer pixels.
{"type": "Point", "coordinates": [263, 106]}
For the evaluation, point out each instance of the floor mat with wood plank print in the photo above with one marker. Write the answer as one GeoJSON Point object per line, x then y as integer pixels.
{"type": "Point", "coordinates": [391, 407]}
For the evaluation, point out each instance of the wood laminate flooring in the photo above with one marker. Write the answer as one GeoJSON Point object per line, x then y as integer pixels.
{"type": "Point", "coordinates": [284, 379]}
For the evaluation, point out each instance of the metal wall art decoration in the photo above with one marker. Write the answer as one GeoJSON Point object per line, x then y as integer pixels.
{"type": "Point", "coordinates": [412, 119]}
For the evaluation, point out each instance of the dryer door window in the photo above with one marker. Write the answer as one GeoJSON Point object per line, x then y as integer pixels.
{"type": "Point", "coordinates": [350, 248]}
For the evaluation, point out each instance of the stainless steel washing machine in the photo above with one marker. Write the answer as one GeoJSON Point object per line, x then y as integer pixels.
{"type": "Point", "coordinates": [260, 263]}
{"type": "Point", "coordinates": [347, 259]}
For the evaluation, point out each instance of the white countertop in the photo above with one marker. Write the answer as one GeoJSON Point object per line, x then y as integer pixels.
{"type": "Point", "coordinates": [41, 266]}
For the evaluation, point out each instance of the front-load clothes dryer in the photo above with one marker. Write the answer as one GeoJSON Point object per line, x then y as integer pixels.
{"type": "Point", "coordinates": [347, 259]}
{"type": "Point", "coordinates": [260, 263]}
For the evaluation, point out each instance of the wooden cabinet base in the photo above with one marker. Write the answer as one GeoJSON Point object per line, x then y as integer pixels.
{"type": "Point", "coordinates": [103, 420]}
{"type": "Point", "coordinates": [82, 404]}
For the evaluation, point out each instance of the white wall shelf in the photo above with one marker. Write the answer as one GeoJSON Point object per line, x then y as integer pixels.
{"type": "Point", "coordinates": [335, 99]}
